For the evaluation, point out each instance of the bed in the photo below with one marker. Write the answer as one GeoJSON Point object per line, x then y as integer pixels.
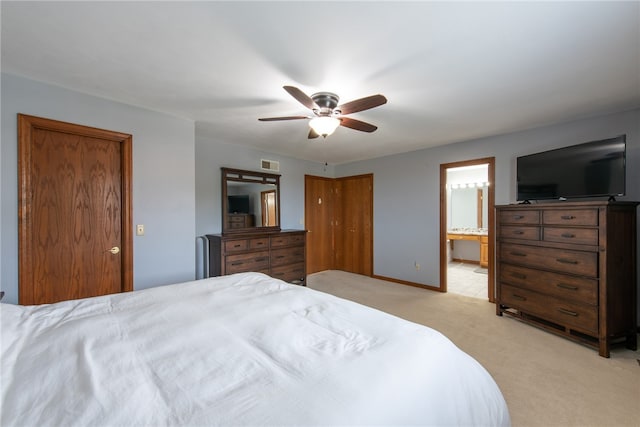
{"type": "Point", "coordinates": [244, 349]}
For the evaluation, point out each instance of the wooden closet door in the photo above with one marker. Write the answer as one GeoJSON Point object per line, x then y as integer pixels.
{"type": "Point", "coordinates": [75, 232]}
{"type": "Point", "coordinates": [354, 224]}
{"type": "Point", "coordinates": [319, 205]}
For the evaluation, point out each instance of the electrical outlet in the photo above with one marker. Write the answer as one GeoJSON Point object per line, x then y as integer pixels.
{"type": "Point", "coordinates": [417, 265]}
{"type": "Point", "coordinates": [140, 230]}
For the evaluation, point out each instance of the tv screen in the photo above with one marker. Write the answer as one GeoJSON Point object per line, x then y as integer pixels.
{"type": "Point", "coordinates": [238, 204]}
{"type": "Point", "coordinates": [592, 169]}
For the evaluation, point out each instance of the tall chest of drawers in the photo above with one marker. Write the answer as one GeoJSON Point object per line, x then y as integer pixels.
{"type": "Point", "coordinates": [570, 268]}
{"type": "Point", "coordinates": [279, 254]}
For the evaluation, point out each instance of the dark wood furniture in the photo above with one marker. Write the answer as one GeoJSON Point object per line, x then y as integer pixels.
{"type": "Point", "coordinates": [570, 268]}
{"type": "Point", "coordinates": [280, 254]}
{"type": "Point", "coordinates": [237, 221]}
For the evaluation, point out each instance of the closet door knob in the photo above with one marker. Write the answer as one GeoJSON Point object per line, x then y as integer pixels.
{"type": "Point", "coordinates": [114, 250]}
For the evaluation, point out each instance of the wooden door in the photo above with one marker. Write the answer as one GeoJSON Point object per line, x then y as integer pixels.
{"type": "Point", "coordinates": [268, 202]}
{"type": "Point", "coordinates": [354, 224]}
{"type": "Point", "coordinates": [75, 230]}
{"type": "Point", "coordinates": [318, 218]}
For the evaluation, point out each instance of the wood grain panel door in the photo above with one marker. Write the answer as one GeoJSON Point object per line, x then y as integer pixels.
{"type": "Point", "coordinates": [75, 231]}
{"type": "Point", "coordinates": [318, 218]}
{"type": "Point", "coordinates": [354, 224]}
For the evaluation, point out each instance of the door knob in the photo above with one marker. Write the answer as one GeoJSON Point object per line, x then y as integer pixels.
{"type": "Point", "coordinates": [114, 250]}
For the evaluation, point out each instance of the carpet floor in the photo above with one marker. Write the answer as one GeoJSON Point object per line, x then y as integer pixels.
{"type": "Point", "coordinates": [546, 380]}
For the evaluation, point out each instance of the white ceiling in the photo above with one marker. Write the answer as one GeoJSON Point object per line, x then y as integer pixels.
{"type": "Point", "coordinates": [451, 71]}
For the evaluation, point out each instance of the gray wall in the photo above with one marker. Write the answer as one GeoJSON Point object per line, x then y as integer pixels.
{"type": "Point", "coordinates": [406, 187]}
{"type": "Point", "coordinates": [163, 177]}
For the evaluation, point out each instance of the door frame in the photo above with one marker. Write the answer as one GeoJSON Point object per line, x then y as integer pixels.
{"type": "Point", "coordinates": [491, 162]}
{"type": "Point", "coordinates": [26, 124]}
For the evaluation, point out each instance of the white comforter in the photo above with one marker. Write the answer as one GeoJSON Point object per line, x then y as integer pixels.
{"type": "Point", "coordinates": [237, 350]}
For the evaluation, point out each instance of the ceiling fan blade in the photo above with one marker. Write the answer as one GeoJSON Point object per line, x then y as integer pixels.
{"type": "Point", "coordinates": [302, 97]}
{"type": "Point", "coordinates": [357, 124]}
{"type": "Point", "coordinates": [312, 134]}
{"type": "Point", "coordinates": [273, 119]}
{"type": "Point", "coordinates": [362, 104]}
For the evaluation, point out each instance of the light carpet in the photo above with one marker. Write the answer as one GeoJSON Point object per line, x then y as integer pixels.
{"type": "Point", "coordinates": [546, 380]}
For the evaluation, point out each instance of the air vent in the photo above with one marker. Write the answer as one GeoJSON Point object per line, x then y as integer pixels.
{"type": "Point", "coordinates": [270, 165]}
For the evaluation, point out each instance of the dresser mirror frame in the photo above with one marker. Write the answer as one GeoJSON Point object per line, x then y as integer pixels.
{"type": "Point", "coordinates": [261, 188]}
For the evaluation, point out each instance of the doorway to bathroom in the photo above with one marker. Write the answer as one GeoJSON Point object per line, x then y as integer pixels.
{"type": "Point", "coordinates": [467, 227]}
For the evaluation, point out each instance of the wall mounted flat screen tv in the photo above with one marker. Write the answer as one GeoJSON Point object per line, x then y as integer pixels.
{"type": "Point", "coordinates": [592, 169]}
{"type": "Point", "coordinates": [238, 204]}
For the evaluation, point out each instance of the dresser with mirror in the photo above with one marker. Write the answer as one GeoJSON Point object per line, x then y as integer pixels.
{"type": "Point", "coordinates": [251, 238]}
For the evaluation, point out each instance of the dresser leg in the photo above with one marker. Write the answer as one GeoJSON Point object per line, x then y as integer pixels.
{"type": "Point", "coordinates": [603, 349]}
{"type": "Point", "coordinates": [632, 341]}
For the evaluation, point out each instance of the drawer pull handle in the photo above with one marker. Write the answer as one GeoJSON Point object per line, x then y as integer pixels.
{"type": "Point", "coordinates": [237, 263]}
{"type": "Point", "coordinates": [565, 286]}
{"type": "Point", "coordinates": [568, 312]}
{"type": "Point", "coordinates": [262, 259]}
{"type": "Point", "coordinates": [518, 216]}
{"type": "Point", "coordinates": [567, 261]}
{"type": "Point", "coordinates": [519, 275]}
{"type": "Point", "coordinates": [237, 246]}
{"type": "Point", "coordinates": [519, 297]}
{"type": "Point", "coordinates": [518, 232]}
{"type": "Point", "coordinates": [568, 235]}
{"type": "Point", "coordinates": [568, 217]}
{"type": "Point", "coordinates": [280, 257]}
{"type": "Point", "coordinates": [518, 254]}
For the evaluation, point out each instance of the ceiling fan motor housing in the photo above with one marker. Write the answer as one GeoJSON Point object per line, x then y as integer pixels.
{"type": "Point", "coordinates": [327, 101]}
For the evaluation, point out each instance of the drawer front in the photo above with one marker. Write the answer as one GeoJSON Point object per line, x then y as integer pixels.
{"type": "Point", "coordinates": [571, 217]}
{"type": "Point", "coordinates": [561, 260]}
{"type": "Point", "coordinates": [252, 261]}
{"type": "Point", "coordinates": [573, 315]}
{"type": "Point", "coordinates": [577, 236]}
{"type": "Point", "coordinates": [518, 232]}
{"type": "Point", "coordinates": [261, 243]}
{"type": "Point", "coordinates": [558, 285]}
{"type": "Point", "coordinates": [236, 245]}
{"type": "Point", "coordinates": [524, 216]}
{"type": "Point", "coordinates": [290, 273]}
{"type": "Point", "coordinates": [287, 255]}
{"type": "Point", "coordinates": [286, 240]}
{"type": "Point", "coordinates": [246, 244]}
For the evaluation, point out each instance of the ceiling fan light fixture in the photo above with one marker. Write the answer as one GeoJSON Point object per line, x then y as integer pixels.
{"type": "Point", "coordinates": [324, 125]}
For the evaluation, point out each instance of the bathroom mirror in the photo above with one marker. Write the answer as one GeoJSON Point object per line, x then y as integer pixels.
{"type": "Point", "coordinates": [250, 201]}
{"type": "Point", "coordinates": [468, 208]}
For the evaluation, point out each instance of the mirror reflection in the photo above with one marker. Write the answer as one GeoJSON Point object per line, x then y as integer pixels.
{"type": "Point", "coordinates": [250, 200]}
{"type": "Point", "coordinates": [469, 208]}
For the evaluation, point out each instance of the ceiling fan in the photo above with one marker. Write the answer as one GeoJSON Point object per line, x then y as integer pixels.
{"type": "Point", "coordinates": [328, 115]}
